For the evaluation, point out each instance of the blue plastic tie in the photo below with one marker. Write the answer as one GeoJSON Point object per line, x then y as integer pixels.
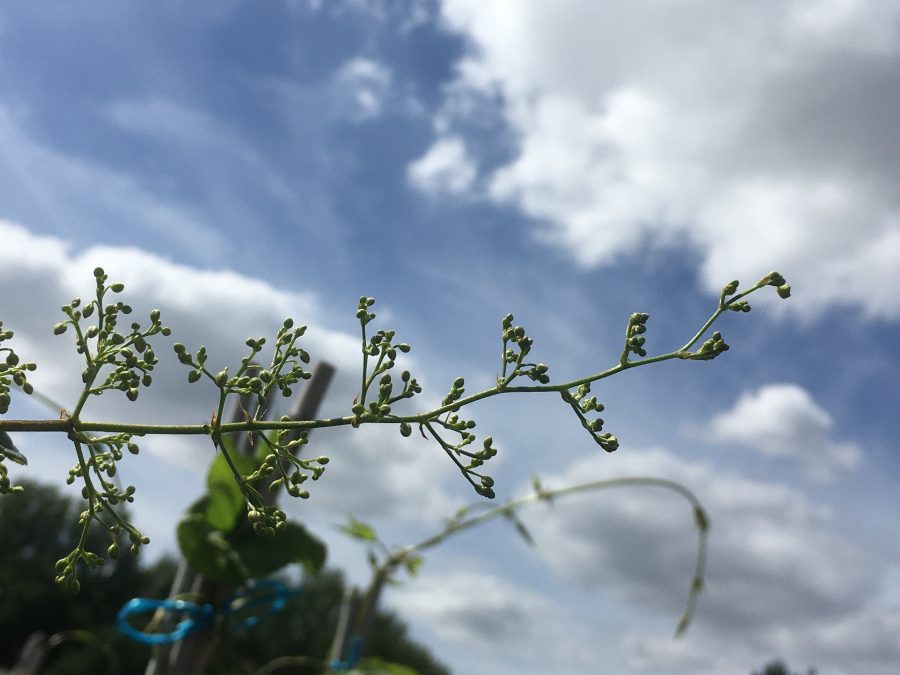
{"type": "Point", "coordinates": [276, 598]}
{"type": "Point", "coordinates": [274, 594]}
{"type": "Point", "coordinates": [200, 617]}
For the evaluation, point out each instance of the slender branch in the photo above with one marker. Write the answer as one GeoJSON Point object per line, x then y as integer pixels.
{"type": "Point", "coordinates": [701, 521]}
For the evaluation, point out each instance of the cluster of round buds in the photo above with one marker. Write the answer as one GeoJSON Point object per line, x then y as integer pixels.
{"type": "Point", "coordinates": [285, 369]}
{"type": "Point", "coordinates": [516, 334]}
{"type": "Point", "coordinates": [513, 335]}
{"type": "Point", "coordinates": [66, 574]}
{"type": "Point", "coordinates": [455, 423]}
{"type": "Point", "coordinates": [582, 404]}
{"type": "Point", "coordinates": [607, 441]}
{"type": "Point", "coordinates": [538, 373]}
{"type": "Point", "coordinates": [410, 386]}
{"type": "Point", "coordinates": [457, 389]}
{"type": "Point", "coordinates": [734, 305]}
{"type": "Point", "coordinates": [304, 469]}
{"type": "Point", "coordinates": [486, 483]}
{"type": "Point", "coordinates": [129, 354]}
{"type": "Point", "coordinates": [12, 371]}
{"type": "Point", "coordinates": [137, 540]}
{"type": "Point", "coordinates": [6, 487]}
{"type": "Point", "coordinates": [185, 357]}
{"type": "Point", "coordinates": [634, 338]}
{"type": "Point", "coordinates": [126, 495]}
{"type": "Point", "coordinates": [267, 520]}
{"type": "Point", "coordinates": [362, 310]}
{"type": "Point", "coordinates": [709, 349]}
{"type": "Point", "coordinates": [132, 369]}
{"type": "Point", "coordinates": [781, 285]}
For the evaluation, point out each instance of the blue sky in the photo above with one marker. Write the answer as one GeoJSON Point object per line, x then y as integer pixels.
{"type": "Point", "coordinates": [569, 162]}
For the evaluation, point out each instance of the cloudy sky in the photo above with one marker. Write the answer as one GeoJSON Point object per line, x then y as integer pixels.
{"type": "Point", "coordinates": [570, 162]}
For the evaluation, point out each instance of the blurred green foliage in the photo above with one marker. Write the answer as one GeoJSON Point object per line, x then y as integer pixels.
{"type": "Point", "coordinates": [34, 530]}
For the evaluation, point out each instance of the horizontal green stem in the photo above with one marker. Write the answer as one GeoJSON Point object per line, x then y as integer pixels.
{"type": "Point", "coordinates": [65, 425]}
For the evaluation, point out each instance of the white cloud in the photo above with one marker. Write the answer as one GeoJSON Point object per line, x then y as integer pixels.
{"type": "Point", "coordinates": [781, 578]}
{"type": "Point", "coordinates": [783, 420]}
{"type": "Point", "coordinates": [362, 88]}
{"type": "Point", "coordinates": [445, 167]}
{"type": "Point", "coordinates": [758, 135]}
{"type": "Point", "coordinates": [505, 628]}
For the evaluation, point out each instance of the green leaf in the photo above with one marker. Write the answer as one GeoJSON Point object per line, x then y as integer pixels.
{"type": "Point", "coordinates": [226, 502]}
{"type": "Point", "coordinates": [520, 527]}
{"type": "Point", "coordinates": [359, 529]}
{"type": "Point", "coordinates": [10, 450]}
{"type": "Point", "coordinates": [219, 471]}
{"type": "Point", "coordinates": [413, 563]}
{"type": "Point", "coordinates": [224, 507]}
{"type": "Point", "coordinates": [208, 551]}
{"type": "Point", "coordinates": [262, 556]}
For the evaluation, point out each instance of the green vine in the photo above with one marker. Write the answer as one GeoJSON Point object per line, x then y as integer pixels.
{"type": "Point", "coordinates": [386, 562]}
{"type": "Point", "coordinates": [122, 359]}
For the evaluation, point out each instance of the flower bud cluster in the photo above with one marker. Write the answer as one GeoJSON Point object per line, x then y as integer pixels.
{"type": "Point", "coordinates": [12, 371]}
{"type": "Point", "coordinates": [709, 349]}
{"type": "Point", "coordinates": [197, 363]}
{"type": "Point", "coordinates": [486, 483]}
{"type": "Point", "coordinates": [129, 355]}
{"type": "Point", "coordinates": [266, 520]}
{"type": "Point", "coordinates": [66, 568]}
{"type": "Point", "coordinates": [284, 468]}
{"type": "Point", "coordinates": [516, 346]}
{"type": "Point", "coordinates": [384, 351]}
{"type": "Point", "coordinates": [6, 486]}
{"type": "Point", "coordinates": [284, 370]}
{"type": "Point", "coordinates": [581, 404]}
{"type": "Point", "coordinates": [735, 305]}
{"type": "Point", "coordinates": [457, 389]}
{"type": "Point", "coordinates": [634, 336]}
{"type": "Point", "coordinates": [780, 284]}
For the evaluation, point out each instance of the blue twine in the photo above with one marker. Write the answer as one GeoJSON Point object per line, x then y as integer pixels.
{"type": "Point", "coordinates": [274, 594]}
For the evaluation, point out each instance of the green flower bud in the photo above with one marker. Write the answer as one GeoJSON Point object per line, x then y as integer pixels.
{"type": "Point", "coordinates": [405, 429]}
{"type": "Point", "coordinates": [60, 328]}
{"type": "Point", "coordinates": [774, 279]}
{"type": "Point", "coordinates": [485, 491]}
{"type": "Point", "coordinates": [784, 291]}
